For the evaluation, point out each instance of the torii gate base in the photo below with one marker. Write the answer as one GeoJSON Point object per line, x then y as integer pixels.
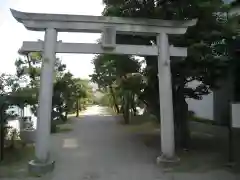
{"type": "Point", "coordinates": [109, 26]}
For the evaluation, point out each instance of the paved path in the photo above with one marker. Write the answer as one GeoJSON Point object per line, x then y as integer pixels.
{"type": "Point", "coordinates": [98, 149]}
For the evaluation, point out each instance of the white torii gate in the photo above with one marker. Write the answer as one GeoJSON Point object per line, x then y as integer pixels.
{"type": "Point", "coordinates": [109, 27]}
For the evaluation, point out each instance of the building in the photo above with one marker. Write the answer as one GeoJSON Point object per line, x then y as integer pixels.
{"type": "Point", "coordinates": [216, 105]}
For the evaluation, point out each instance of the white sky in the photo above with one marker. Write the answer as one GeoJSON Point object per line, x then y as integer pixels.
{"type": "Point", "coordinates": [12, 33]}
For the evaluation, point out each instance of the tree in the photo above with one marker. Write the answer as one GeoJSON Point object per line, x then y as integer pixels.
{"type": "Point", "coordinates": [110, 68]}
{"type": "Point", "coordinates": [68, 91]}
{"type": "Point", "coordinates": [129, 88]}
{"type": "Point", "coordinates": [69, 95]}
{"type": "Point", "coordinates": [111, 73]}
{"type": "Point", "coordinates": [210, 34]}
{"type": "Point", "coordinates": [83, 93]}
{"type": "Point", "coordinates": [8, 84]}
{"type": "Point", "coordinates": [28, 70]}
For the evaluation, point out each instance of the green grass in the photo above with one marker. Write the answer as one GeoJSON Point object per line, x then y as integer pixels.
{"type": "Point", "coordinates": [64, 127]}
{"type": "Point", "coordinates": [206, 154]}
{"type": "Point", "coordinates": [141, 124]}
{"type": "Point", "coordinates": [71, 115]}
{"type": "Point", "coordinates": [209, 144]}
{"type": "Point", "coordinates": [146, 127]}
{"type": "Point", "coordinates": [202, 120]}
{"type": "Point", "coordinates": [15, 161]}
{"type": "Point", "coordinates": [111, 111]}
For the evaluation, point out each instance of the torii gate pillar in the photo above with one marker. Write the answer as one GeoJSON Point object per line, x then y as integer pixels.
{"type": "Point", "coordinates": [110, 26]}
{"type": "Point", "coordinates": [45, 99]}
{"type": "Point", "coordinates": [166, 100]}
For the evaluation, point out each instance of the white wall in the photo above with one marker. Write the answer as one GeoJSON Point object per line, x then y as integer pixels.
{"type": "Point", "coordinates": [203, 108]}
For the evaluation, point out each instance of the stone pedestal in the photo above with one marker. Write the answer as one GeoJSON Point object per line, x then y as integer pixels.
{"type": "Point", "coordinates": [166, 162]}
{"type": "Point", "coordinates": [37, 168]}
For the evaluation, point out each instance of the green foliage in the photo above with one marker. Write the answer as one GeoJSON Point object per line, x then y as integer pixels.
{"type": "Point", "coordinates": [69, 94]}
{"type": "Point", "coordinates": [7, 84]}
{"type": "Point", "coordinates": [119, 77]}
{"type": "Point", "coordinates": [67, 90]}
{"type": "Point", "coordinates": [201, 64]}
{"type": "Point", "coordinates": [108, 68]}
{"type": "Point", "coordinates": [209, 52]}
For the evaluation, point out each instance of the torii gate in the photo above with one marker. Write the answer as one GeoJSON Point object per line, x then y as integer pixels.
{"type": "Point", "coordinates": [109, 27]}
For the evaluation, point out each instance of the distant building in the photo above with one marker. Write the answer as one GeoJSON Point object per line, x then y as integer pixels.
{"type": "Point", "coordinates": [216, 105]}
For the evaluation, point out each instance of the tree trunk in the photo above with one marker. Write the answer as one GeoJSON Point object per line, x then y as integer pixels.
{"type": "Point", "coordinates": [182, 132]}
{"type": "Point", "coordinates": [133, 104]}
{"type": "Point", "coordinates": [66, 115]}
{"type": "Point", "coordinates": [126, 108]}
{"type": "Point", "coordinates": [114, 100]}
{"type": "Point", "coordinates": [80, 106]}
{"type": "Point", "coordinates": [2, 135]}
{"type": "Point", "coordinates": [182, 126]}
{"type": "Point", "coordinates": [77, 114]}
{"type": "Point", "coordinates": [134, 111]}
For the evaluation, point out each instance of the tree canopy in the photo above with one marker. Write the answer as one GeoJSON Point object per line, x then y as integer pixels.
{"type": "Point", "coordinates": [70, 94]}
{"type": "Point", "coordinates": [209, 53]}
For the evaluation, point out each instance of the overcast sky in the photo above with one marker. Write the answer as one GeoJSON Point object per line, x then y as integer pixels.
{"type": "Point", "coordinates": [12, 33]}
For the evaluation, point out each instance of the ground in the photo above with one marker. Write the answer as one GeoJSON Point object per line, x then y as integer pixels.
{"type": "Point", "coordinates": [100, 148]}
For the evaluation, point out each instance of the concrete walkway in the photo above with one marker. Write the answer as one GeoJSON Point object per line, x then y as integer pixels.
{"type": "Point", "coordinates": [99, 149]}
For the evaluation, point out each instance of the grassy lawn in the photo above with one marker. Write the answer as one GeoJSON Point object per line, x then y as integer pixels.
{"type": "Point", "coordinates": [141, 124]}
{"type": "Point", "coordinates": [202, 120]}
{"type": "Point", "coordinates": [208, 148]}
{"type": "Point", "coordinates": [146, 127]}
{"type": "Point", "coordinates": [111, 111]}
{"type": "Point", "coordinates": [71, 115]}
{"type": "Point", "coordinates": [66, 127]}
{"type": "Point", "coordinates": [207, 152]}
{"type": "Point", "coordinates": [61, 127]}
{"type": "Point", "coordinates": [15, 161]}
